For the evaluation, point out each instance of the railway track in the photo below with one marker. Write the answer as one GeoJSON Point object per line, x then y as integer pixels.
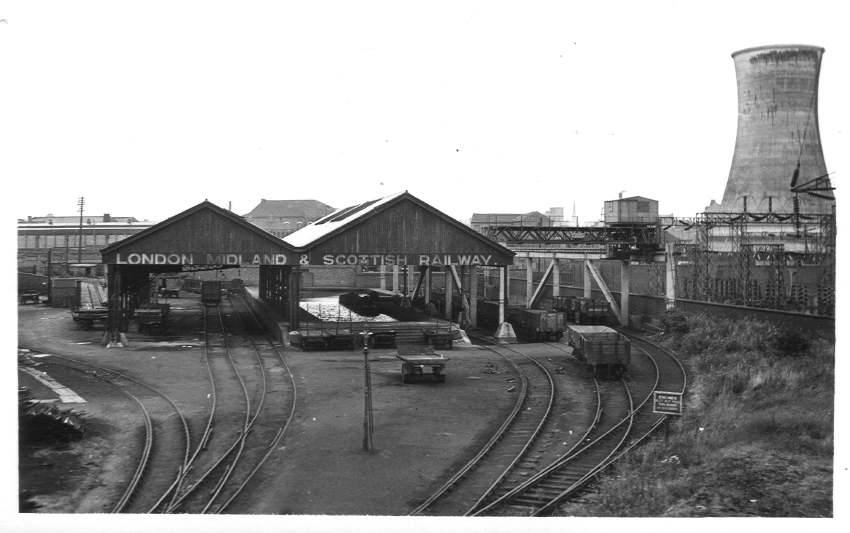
{"type": "Point", "coordinates": [164, 436]}
{"type": "Point", "coordinates": [527, 439]}
{"type": "Point", "coordinates": [542, 493]}
{"type": "Point", "coordinates": [243, 441]}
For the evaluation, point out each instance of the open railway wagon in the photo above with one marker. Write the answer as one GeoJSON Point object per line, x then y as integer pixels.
{"type": "Point", "coordinates": [169, 286]}
{"type": "Point", "coordinates": [529, 324]}
{"type": "Point", "coordinates": [421, 362]}
{"type": "Point", "coordinates": [211, 292]}
{"type": "Point", "coordinates": [582, 310]}
{"type": "Point", "coordinates": [151, 317]}
{"type": "Point", "coordinates": [538, 324]}
{"type": "Point", "coordinates": [603, 349]}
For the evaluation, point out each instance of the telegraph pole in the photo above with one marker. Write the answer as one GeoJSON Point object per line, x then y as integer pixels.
{"type": "Point", "coordinates": [368, 424]}
{"type": "Point", "coordinates": [80, 202]}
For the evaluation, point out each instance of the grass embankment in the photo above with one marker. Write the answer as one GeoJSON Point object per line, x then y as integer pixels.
{"type": "Point", "coordinates": [756, 438]}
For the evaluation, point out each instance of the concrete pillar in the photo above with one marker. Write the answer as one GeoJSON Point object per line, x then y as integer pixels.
{"type": "Point", "coordinates": [395, 278]}
{"type": "Point", "coordinates": [625, 278]}
{"type": "Point", "coordinates": [670, 282]}
{"type": "Point", "coordinates": [383, 276]}
{"type": "Point", "coordinates": [529, 281]}
{"type": "Point", "coordinates": [585, 275]}
{"type": "Point", "coordinates": [505, 333]}
{"type": "Point", "coordinates": [502, 288]}
{"type": "Point", "coordinates": [473, 297]}
{"type": "Point", "coordinates": [450, 283]}
{"type": "Point", "coordinates": [556, 278]}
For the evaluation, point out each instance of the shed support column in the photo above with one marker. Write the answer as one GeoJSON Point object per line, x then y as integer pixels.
{"type": "Point", "coordinates": [383, 276]}
{"type": "Point", "coordinates": [411, 282]}
{"type": "Point", "coordinates": [625, 278]}
{"type": "Point", "coordinates": [473, 297]}
{"type": "Point", "coordinates": [395, 278]}
{"type": "Point", "coordinates": [449, 293]}
{"type": "Point", "coordinates": [585, 274]}
{"type": "Point", "coordinates": [114, 337]}
{"type": "Point", "coordinates": [505, 333]}
{"type": "Point", "coordinates": [294, 297]}
{"type": "Point", "coordinates": [427, 286]}
{"type": "Point", "coordinates": [529, 282]}
{"type": "Point", "coordinates": [556, 278]}
{"type": "Point", "coordinates": [670, 282]}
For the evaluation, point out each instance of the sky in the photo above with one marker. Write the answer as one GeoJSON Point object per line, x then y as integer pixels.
{"type": "Point", "coordinates": [148, 108]}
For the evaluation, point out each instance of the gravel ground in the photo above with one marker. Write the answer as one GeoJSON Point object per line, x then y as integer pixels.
{"type": "Point", "coordinates": [422, 431]}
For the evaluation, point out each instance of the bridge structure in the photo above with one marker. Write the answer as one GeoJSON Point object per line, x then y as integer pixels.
{"type": "Point", "coordinates": [776, 239]}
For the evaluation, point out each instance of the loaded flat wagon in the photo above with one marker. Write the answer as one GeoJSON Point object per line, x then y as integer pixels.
{"type": "Point", "coordinates": [602, 348]}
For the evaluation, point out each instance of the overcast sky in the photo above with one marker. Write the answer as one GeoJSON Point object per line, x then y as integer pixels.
{"type": "Point", "coordinates": [147, 108]}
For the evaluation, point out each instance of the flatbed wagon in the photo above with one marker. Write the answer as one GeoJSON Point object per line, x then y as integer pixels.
{"type": "Point", "coordinates": [417, 363]}
{"type": "Point", "coordinates": [87, 317]}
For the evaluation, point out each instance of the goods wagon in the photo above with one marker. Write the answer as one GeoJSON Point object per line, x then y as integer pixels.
{"type": "Point", "coordinates": [582, 310]}
{"type": "Point", "coordinates": [538, 324]}
{"type": "Point", "coordinates": [603, 349]}
{"type": "Point", "coordinates": [528, 324]}
{"type": "Point", "coordinates": [211, 292]}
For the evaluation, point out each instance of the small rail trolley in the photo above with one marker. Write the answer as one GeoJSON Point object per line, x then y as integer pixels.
{"type": "Point", "coordinates": [415, 362]}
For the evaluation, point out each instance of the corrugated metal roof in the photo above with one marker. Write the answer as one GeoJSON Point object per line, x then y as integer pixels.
{"type": "Point", "coordinates": [336, 220]}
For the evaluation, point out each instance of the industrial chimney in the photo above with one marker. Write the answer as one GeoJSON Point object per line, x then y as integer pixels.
{"type": "Point", "coordinates": [778, 143]}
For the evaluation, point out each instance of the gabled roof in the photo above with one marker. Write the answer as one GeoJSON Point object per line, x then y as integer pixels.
{"type": "Point", "coordinates": [308, 209]}
{"type": "Point", "coordinates": [180, 217]}
{"type": "Point", "coordinates": [328, 224]}
{"type": "Point", "coordinates": [350, 218]}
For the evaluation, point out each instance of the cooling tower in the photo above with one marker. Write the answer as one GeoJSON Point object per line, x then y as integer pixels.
{"type": "Point", "coordinates": [778, 142]}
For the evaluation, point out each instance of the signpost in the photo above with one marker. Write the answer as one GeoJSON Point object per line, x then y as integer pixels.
{"type": "Point", "coordinates": [667, 403]}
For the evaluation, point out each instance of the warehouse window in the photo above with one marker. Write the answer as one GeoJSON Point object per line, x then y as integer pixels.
{"type": "Point", "coordinates": [643, 207]}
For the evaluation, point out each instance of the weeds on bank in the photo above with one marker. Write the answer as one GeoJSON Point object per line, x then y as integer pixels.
{"type": "Point", "coordinates": [756, 438]}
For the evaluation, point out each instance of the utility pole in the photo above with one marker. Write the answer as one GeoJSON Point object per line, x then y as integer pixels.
{"type": "Point", "coordinates": [368, 424]}
{"type": "Point", "coordinates": [80, 202]}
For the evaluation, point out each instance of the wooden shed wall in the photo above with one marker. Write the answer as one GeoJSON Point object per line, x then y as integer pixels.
{"type": "Point", "coordinates": [201, 233]}
{"type": "Point", "coordinates": [408, 228]}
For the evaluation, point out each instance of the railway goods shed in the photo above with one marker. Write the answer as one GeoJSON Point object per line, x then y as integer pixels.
{"type": "Point", "coordinates": [403, 235]}
{"type": "Point", "coordinates": [398, 233]}
{"type": "Point", "coordinates": [204, 237]}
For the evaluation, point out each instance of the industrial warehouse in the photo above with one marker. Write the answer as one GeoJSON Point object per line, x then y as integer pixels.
{"type": "Point", "coordinates": [385, 358]}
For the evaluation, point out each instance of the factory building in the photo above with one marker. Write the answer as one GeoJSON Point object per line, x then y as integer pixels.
{"type": "Point", "coordinates": [69, 242]}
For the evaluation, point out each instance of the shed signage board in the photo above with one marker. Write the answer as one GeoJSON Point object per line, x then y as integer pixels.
{"type": "Point", "coordinates": [153, 258]}
{"type": "Point", "coordinates": [402, 259]}
{"type": "Point", "coordinates": [667, 403]}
